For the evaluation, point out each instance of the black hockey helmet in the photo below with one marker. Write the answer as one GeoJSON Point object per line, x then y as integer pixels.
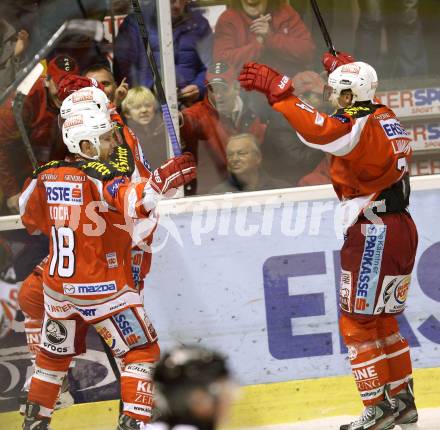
{"type": "Point", "coordinates": [189, 366]}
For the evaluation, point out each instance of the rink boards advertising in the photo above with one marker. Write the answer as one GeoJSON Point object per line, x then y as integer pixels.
{"type": "Point", "coordinates": [257, 277]}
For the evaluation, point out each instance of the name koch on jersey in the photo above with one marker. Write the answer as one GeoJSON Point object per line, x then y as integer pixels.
{"type": "Point", "coordinates": [68, 193]}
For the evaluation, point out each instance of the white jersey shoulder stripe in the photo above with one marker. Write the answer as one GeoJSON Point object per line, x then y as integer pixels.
{"type": "Point", "coordinates": [345, 144]}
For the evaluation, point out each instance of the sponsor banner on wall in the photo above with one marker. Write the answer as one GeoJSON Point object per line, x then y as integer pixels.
{"type": "Point", "coordinates": [424, 136]}
{"type": "Point", "coordinates": [260, 282]}
{"type": "Point", "coordinates": [412, 104]}
{"type": "Point", "coordinates": [424, 167]}
{"type": "Point", "coordinates": [91, 378]}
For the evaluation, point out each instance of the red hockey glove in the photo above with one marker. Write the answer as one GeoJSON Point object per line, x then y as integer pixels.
{"type": "Point", "coordinates": [331, 62]}
{"type": "Point", "coordinates": [175, 172]}
{"type": "Point", "coordinates": [71, 83]}
{"type": "Point", "coordinates": [268, 81]}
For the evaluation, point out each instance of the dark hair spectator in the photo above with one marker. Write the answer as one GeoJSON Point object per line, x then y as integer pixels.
{"type": "Point", "coordinates": [192, 37]}
{"type": "Point", "coordinates": [267, 31]}
{"type": "Point", "coordinates": [208, 124]}
{"type": "Point", "coordinates": [244, 160]}
{"type": "Point", "coordinates": [40, 117]}
{"type": "Point", "coordinates": [141, 114]}
{"type": "Point", "coordinates": [104, 76]}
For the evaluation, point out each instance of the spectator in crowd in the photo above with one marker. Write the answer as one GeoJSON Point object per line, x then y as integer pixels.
{"type": "Point", "coordinates": [40, 116]}
{"type": "Point", "coordinates": [284, 155]}
{"type": "Point", "coordinates": [208, 124]}
{"type": "Point", "coordinates": [104, 76]}
{"type": "Point", "coordinates": [140, 109]}
{"type": "Point", "coordinates": [192, 39]}
{"type": "Point", "coordinates": [406, 54]}
{"type": "Point", "coordinates": [12, 47]}
{"type": "Point", "coordinates": [267, 31]}
{"type": "Point", "coordinates": [244, 159]}
{"type": "Point", "coordinates": [194, 389]}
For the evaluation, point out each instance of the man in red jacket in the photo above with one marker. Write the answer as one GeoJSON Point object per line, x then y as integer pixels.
{"type": "Point", "coordinates": [40, 116]}
{"type": "Point", "coordinates": [267, 31]}
{"type": "Point", "coordinates": [208, 125]}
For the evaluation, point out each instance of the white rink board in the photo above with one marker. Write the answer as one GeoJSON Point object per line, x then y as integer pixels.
{"type": "Point", "coordinates": [208, 287]}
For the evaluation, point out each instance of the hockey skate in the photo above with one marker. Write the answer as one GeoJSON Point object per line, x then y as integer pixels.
{"type": "Point", "coordinates": [376, 417]}
{"type": "Point", "coordinates": [127, 423]}
{"type": "Point", "coordinates": [404, 407]}
{"type": "Point", "coordinates": [31, 420]}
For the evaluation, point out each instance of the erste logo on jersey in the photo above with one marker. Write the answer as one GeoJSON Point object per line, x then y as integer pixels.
{"type": "Point", "coordinates": [68, 193]}
{"type": "Point", "coordinates": [393, 129]}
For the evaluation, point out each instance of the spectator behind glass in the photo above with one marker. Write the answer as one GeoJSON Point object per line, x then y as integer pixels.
{"type": "Point", "coordinates": [208, 124]}
{"type": "Point", "coordinates": [12, 47]}
{"type": "Point", "coordinates": [405, 55]}
{"type": "Point", "coordinates": [192, 40]}
{"type": "Point", "coordinates": [266, 31]}
{"type": "Point", "coordinates": [40, 117]}
{"type": "Point", "coordinates": [140, 109]}
{"type": "Point", "coordinates": [284, 155]}
{"type": "Point", "coordinates": [104, 76]}
{"type": "Point", "coordinates": [244, 167]}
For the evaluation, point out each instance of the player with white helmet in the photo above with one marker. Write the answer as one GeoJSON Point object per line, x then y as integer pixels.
{"type": "Point", "coordinates": [95, 128]}
{"type": "Point", "coordinates": [370, 151]}
{"type": "Point", "coordinates": [357, 78]}
{"type": "Point", "coordinates": [87, 98]}
{"type": "Point", "coordinates": [87, 280]}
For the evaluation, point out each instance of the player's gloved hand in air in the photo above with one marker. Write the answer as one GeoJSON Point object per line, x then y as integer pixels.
{"type": "Point", "coordinates": [167, 178]}
{"type": "Point", "coordinates": [266, 80]}
{"type": "Point", "coordinates": [71, 83]}
{"type": "Point", "coordinates": [332, 62]}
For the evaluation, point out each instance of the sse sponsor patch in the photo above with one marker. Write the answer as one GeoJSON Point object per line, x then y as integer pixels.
{"type": "Point", "coordinates": [68, 193]}
{"type": "Point", "coordinates": [130, 328]}
{"type": "Point", "coordinates": [90, 289]}
{"type": "Point", "coordinates": [369, 270]}
{"type": "Point", "coordinates": [393, 294]}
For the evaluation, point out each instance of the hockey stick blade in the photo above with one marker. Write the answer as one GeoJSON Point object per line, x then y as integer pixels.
{"type": "Point", "coordinates": [323, 27]}
{"type": "Point", "coordinates": [28, 82]}
{"type": "Point", "coordinates": [91, 28]}
{"type": "Point", "coordinates": [160, 93]}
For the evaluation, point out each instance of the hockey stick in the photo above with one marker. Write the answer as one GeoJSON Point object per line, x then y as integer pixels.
{"type": "Point", "coordinates": [156, 78]}
{"type": "Point", "coordinates": [324, 31]}
{"type": "Point", "coordinates": [17, 108]}
{"type": "Point", "coordinates": [91, 28]}
{"type": "Point", "coordinates": [115, 368]}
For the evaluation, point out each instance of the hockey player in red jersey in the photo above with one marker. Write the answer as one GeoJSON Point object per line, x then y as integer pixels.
{"type": "Point", "coordinates": [369, 170]}
{"type": "Point", "coordinates": [83, 94]}
{"type": "Point", "coordinates": [87, 280]}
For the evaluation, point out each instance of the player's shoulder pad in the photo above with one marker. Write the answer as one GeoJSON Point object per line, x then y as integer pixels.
{"type": "Point", "coordinates": [50, 165]}
{"type": "Point", "coordinates": [122, 160]}
{"type": "Point", "coordinates": [358, 110]}
{"type": "Point", "coordinates": [121, 163]}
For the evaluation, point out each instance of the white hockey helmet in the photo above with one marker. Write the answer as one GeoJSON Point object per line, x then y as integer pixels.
{"type": "Point", "coordinates": [86, 125]}
{"type": "Point", "coordinates": [87, 98]}
{"type": "Point", "coordinates": [359, 77]}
